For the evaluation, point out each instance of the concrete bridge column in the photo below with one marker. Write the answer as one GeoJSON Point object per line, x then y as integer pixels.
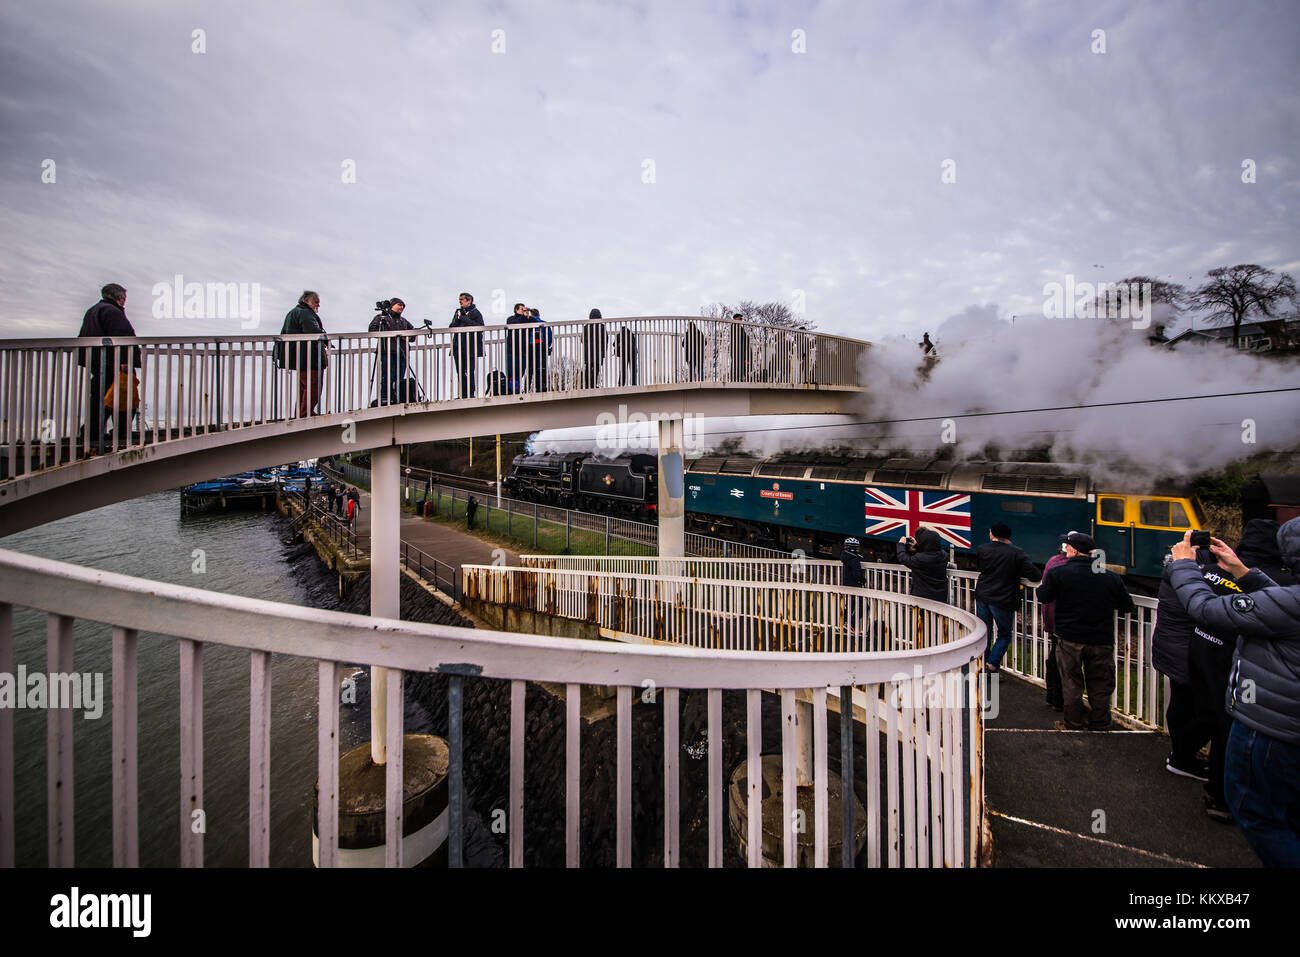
{"type": "Point", "coordinates": [385, 576]}
{"type": "Point", "coordinates": [672, 490]}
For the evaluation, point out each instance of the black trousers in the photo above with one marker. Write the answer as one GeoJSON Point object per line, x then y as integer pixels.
{"type": "Point", "coordinates": [1190, 725]}
{"type": "Point", "coordinates": [1211, 666]}
{"type": "Point", "coordinates": [467, 371]}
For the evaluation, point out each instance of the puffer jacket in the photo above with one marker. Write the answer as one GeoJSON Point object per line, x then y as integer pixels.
{"type": "Point", "coordinates": [929, 566]}
{"type": "Point", "coordinates": [1264, 688]}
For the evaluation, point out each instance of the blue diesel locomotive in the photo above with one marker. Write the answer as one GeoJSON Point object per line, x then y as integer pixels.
{"type": "Point", "coordinates": [815, 504]}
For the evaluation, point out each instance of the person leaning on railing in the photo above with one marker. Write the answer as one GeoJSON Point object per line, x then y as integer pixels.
{"type": "Point", "coordinates": [309, 358]}
{"type": "Point", "coordinates": [1261, 779]}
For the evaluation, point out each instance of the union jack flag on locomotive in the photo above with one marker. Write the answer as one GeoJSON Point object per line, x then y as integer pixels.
{"type": "Point", "coordinates": [904, 511]}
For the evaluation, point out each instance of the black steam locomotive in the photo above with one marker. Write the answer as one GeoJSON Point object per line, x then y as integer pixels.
{"type": "Point", "coordinates": [622, 486]}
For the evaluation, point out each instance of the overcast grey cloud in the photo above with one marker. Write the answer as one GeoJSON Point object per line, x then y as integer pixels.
{"type": "Point", "coordinates": [523, 171]}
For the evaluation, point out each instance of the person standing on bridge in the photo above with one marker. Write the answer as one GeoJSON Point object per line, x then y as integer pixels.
{"type": "Point", "coordinates": [518, 345]}
{"type": "Point", "coordinates": [468, 346]}
{"type": "Point", "coordinates": [1001, 565]}
{"type": "Point", "coordinates": [539, 358]}
{"type": "Point", "coordinates": [106, 319]}
{"type": "Point", "coordinates": [626, 348]}
{"type": "Point", "coordinates": [594, 343]}
{"type": "Point", "coordinates": [307, 357]}
{"type": "Point", "coordinates": [1086, 598]}
{"type": "Point", "coordinates": [740, 351]}
{"type": "Point", "coordinates": [391, 353]}
{"type": "Point", "coordinates": [694, 345]}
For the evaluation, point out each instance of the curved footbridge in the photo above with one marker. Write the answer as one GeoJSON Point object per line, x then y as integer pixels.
{"type": "Point", "coordinates": [907, 786]}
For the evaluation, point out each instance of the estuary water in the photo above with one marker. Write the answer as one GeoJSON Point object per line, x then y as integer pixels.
{"type": "Point", "coordinates": [241, 555]}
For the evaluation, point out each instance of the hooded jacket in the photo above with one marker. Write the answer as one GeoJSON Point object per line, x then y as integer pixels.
{"type": "Point", "coordinates": [1258, 549]}
{"type": "Point", "coordinates": [929, 566]}
{"type": "Point", "coordinates": [1264, 687]}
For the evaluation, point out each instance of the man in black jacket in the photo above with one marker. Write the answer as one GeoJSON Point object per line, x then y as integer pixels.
{"type": "Point", "coordinates": [391, 354]}
{"type": "Point", "coordinates": [1189, 727]}
{"type": "Point", "coordinates": [924, 556]}
{"type": "Point", "coordinates": [1001, 565]}
{"type": "Point", "coordinates": [594, 342]}
{"type": "Point", "coordinates": [1087, 597]}
{"type": "Point", "coordinates": [106, 319]}
{"type": "Point", "coordinates": [468, 346]}
{"type": "Point", "coordinates": [518, 345]}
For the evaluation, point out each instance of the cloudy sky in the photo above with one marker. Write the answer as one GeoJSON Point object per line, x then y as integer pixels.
{"type": "Point", "coordinates": [640, 157]}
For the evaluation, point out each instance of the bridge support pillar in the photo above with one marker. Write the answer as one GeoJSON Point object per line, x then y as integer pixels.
{"type": "Point", "coordinates": [385, 576]}
{"type": "Point", "coordinates": [672, 490]}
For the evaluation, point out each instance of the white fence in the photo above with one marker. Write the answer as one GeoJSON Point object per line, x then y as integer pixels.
{"type": "Point", "coordinates": [920, 770]}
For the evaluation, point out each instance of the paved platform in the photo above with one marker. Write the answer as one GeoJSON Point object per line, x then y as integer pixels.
{"type": "Point", "coordinates": [1045, 789]}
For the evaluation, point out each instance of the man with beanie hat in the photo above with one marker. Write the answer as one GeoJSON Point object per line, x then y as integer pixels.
{"type": "Point", "coordinates": [391, 353]}
{"type": "Point", "coordinates": [1086, 597]}
{"type": "Point", "coordinates": [1001, 565]}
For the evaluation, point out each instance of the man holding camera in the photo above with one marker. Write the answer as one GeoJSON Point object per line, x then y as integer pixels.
{"type": "Point", "coordinates": [1261, 780]}
{"type": "Point", "coordinates": [1086, 597]}
{"type": "Point", "coordinates": [391, 354]}
{"type": "Point", "coordinates": [468, 346]}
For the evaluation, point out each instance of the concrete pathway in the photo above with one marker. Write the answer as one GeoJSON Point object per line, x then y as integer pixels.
{"type": "Point", "coordinates": [1079, 799]}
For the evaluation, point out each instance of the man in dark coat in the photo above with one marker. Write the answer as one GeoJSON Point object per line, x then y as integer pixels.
{"type": "Point", "coordinates": [1001, 565]}
{"type": "Point", "coordinates": [518, 345]}
{"type": "Point", "coordinates": [740, 351]}
{"type": "Point", "coordinates": [694, 346]}
{"type": "Point", "coordinates": [540, 351]}
{"type": "Point", "coordinates": [106, 319]}
{"type": "Point", "coordinates": [308, 357]}
{"type": "Point", "coordinates": [1086, 602]}
{"type": "Point", "coordinates": [468, 346]}
{"type": "Point", "coordinates": [1171, 641]}
{"type": "Point", "coordinates": [1262, 765]}
{"type": "Point", "coordinates": [594, 342]}
{"type": "Point", "coordinates": [627, 349]}
{"type": "Point", "coordinates": [391, 356]}
{"type": "Point", "coordinates": [924, 556]}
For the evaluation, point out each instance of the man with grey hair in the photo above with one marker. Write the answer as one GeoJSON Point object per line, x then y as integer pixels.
{"type": "Point", "coordinates": [309, 358]}
{"type": "Point", "coordinates": [106, 319]}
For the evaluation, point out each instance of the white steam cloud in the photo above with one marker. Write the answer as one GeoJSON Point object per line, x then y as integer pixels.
{"type": "Point", "coordinates": [991, 365]}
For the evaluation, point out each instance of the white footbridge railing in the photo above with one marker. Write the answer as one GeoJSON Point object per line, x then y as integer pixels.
{"type": "Point", "coordinates": [178, 387]}
{"type": "Point", "coordinates": [910, 667]}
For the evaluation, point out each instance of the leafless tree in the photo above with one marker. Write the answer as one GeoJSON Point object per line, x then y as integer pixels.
{"type": "Point", "coordinates": [1235, 292]}
{"type": "Point", "coordinates": [770, 313]}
